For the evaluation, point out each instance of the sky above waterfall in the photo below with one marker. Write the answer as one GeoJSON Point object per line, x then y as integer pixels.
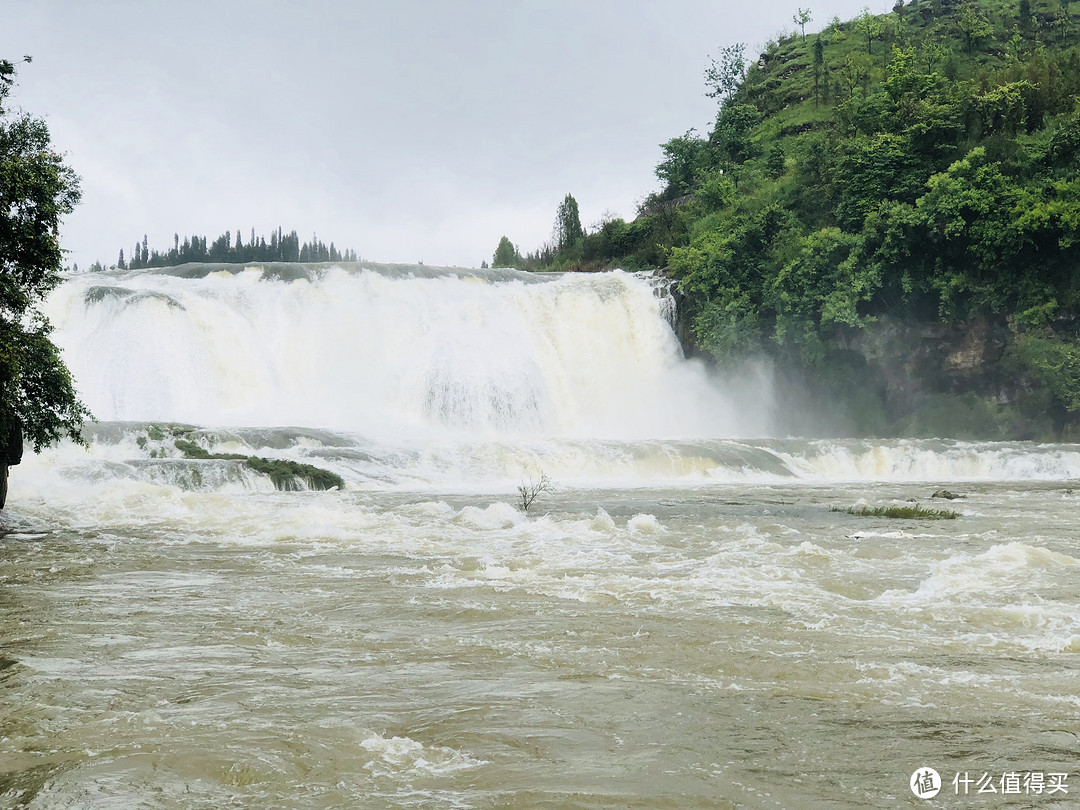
{"type": "Point", "coordinates": [409, 131]}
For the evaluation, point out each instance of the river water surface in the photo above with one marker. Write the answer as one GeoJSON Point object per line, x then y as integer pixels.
{"type": "Point", "coordinates": [684, 622]}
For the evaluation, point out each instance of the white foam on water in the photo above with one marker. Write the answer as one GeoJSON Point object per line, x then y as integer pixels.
{"type": "Point", "coordinates": [1010, 565]}
{"type": "Point", "coordinates": [402, 755]}
{"type": "Point", "coordinates": [644, 523]}
{"type": "Point", "coordinates": [932, 460]}
{"type": "Point", "coordinates": [993, 599]}
{"type": "Point", "coordinates": [495, 516]}
{"type": "Point", "coordinates": [603, 521]}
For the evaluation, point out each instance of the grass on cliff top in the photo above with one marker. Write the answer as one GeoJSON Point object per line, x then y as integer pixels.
{"type": "Point", "coordinates": [915, 512]}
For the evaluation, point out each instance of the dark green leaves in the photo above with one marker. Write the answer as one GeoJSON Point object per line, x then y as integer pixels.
{"type": "Point", "coordinates": [36, 190]}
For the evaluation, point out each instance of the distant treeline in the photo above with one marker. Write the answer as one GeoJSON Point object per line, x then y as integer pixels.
{"type": "Point", "coordinates": [231, 249]}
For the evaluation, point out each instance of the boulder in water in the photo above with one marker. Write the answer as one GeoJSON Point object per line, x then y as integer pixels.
{"type": "Point", "coordinates": [944, 493]}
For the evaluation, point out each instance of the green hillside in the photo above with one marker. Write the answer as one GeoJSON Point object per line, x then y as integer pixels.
{"type": "Point", "coordinates": [890, 208]}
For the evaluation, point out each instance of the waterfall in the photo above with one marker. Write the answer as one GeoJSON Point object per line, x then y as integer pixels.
{"type": "Point", "coordinates": [417, 377]}
{"type": "Point", "coordinates": [389, 352]}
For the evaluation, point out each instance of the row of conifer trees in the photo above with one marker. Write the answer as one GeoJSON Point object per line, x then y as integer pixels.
{"type": "Point", "coordinates": [231, 248]}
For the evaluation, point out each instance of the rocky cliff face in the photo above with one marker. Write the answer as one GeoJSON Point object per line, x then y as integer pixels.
{"type": "Point", "coordinates": [968, 379]}
{"type": "Point", "coordinates": [905, 378]}
{"type": "Point", "coordinates": [936, 358]}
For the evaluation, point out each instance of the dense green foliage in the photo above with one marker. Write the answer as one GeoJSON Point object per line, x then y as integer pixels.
{"type": "Point", "coordinates": [36, 190]}
{"type": "Point", "coordinates": [930, 170]}
{"type": "Point", "coordinates": [281, 247]}
{"type": "Point", "coordinates": [921, 167]}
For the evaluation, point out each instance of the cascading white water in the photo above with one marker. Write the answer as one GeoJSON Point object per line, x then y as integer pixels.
{"type": "Point", "coordinates": [388, 353]}
{"type": "Point", "coordinates": [416, 377]}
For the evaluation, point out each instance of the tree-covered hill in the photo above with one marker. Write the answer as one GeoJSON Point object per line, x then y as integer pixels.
{"type": "Point", "coordinates": [891, 208]}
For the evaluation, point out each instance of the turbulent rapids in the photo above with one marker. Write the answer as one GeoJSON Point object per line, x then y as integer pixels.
{"type": "Point", "coordinates": [692, 619]}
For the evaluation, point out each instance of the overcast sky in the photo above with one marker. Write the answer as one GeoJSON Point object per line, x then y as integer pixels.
{"type": "Point", "coordinates": [407, 130]}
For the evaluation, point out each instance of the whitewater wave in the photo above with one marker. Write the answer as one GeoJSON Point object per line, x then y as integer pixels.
{"type": "Point", "coordinates": [148, 454]}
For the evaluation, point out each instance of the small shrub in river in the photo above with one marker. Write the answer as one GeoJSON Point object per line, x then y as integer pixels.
{"type": "Point", "coordinates": [533, 489]}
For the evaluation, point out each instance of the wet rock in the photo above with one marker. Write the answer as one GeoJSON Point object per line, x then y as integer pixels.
{"type": "Point", "coordinates": [944, 493]}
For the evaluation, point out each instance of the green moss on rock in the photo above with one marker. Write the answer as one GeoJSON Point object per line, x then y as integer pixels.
{"type": "Point", "coordinates": [915, 512]}
{"type": "Point", "coordinates": [190, 449]}
{"type": "Point", "coordinates": [286, 475]}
